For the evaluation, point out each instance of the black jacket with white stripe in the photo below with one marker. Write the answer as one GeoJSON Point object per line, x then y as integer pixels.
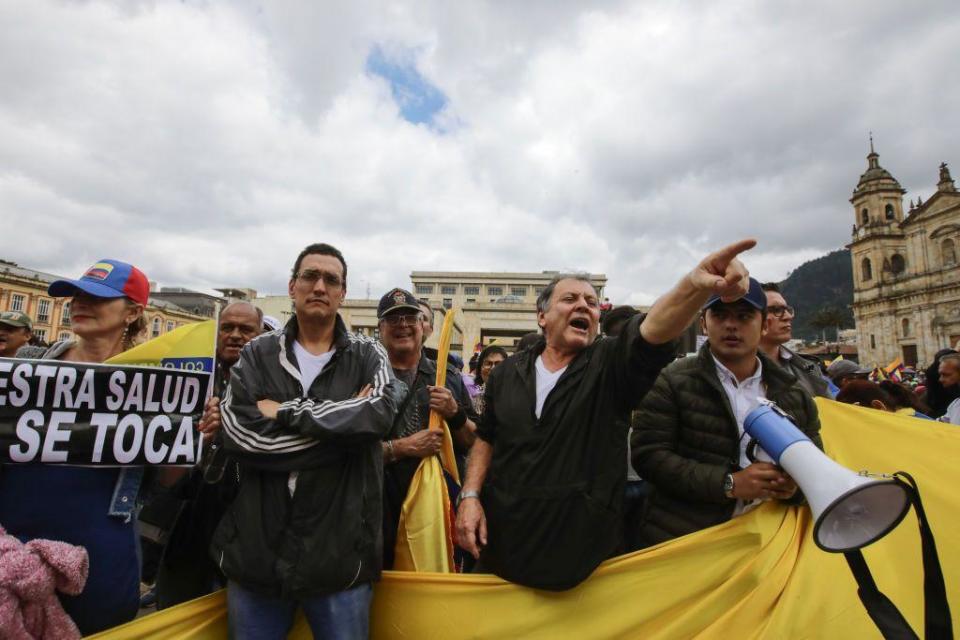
{"type": "Point", "coordinates": [326, 537]}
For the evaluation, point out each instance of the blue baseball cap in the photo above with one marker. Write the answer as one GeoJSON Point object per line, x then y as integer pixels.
{"type": "Point", "coordinates": [106, 279]}
{"type": "Point", "coordinates": [755, 297]}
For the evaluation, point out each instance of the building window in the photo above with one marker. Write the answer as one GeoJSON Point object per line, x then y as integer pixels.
{"type": "Point", "coordinates": [866, 269]}
{"type": "Point", "coordinates": [538, 290]}
{"type": "Point", "coordinates": [888, 212]}
{"type": "Point", "coordinates": [494, 291]}
{"type": "Point", "coordinates": [447, 303]}
{"type": "Point", "coordinates": [471, 299]}
{"type": "Point", "coordinates": [518, 291]}
{"type": "Point", "coordinates": [64, 335]}
{"type": "Point", "coordinates": [155, 331]}
{"type": "Point", "coordinates": [424, 289]}
{"type": "Point", "coordinates": [376, 333]}
{"type": "Point", "coordinates": [905, 327]}
{"type": "Point", "coordinates": [948, 252]}
{"type": "Point", "coordinates": [40, 334]}
{"type": "Point", "coordinates": [471, 289]}
{"type": "Point", "coordinates": [16, 302]}
{"type": "Point", "coordinates": [448, 289]}
{"type": "Point", "coordinates": [897, 264]}
{"type": "Point", "coordinates": [65, 316]}
{"type": "Point", "coordinates": [873, 341]}
{"type": "Point", "coordinates": [169, 326]}
{"type": "Point", "coordinates": [43, 310]}
{"type": "Point", "coordinates": [864, 216]}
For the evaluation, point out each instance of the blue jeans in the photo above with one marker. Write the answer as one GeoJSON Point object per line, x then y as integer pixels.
{"type": "Point", "coordinates": [344, 615]}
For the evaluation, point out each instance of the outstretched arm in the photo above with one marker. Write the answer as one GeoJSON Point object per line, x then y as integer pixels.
{"type": "Point", "coordinates": [720, 272]}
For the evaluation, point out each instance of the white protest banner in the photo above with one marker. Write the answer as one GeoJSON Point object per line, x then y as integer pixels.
{"type": "Point", "coordinates": [54, 412]}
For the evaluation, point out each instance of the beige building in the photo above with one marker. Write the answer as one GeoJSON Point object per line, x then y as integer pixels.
{"type": "Point", "coordinates": [906, 280]}
{"type": "Point", "coordinates": [489, 306]}
{"type": "Point", "coordinates": [25, 290]}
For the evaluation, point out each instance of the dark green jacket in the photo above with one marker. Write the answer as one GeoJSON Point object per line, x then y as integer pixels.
{"type": "Point", "coordinates": [685, 439]}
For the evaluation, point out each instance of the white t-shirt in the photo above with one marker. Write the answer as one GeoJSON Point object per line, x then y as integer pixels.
{"type": "Point", "coordinates": [310, 367]}
{"type": "Point", "coordinates": [546, 381]}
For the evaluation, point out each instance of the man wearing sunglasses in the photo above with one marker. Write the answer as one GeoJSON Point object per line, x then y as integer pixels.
{"type": "Point", "coordinates": [409, 440]}
{"type": "Point", "coordinates": [777, 331]}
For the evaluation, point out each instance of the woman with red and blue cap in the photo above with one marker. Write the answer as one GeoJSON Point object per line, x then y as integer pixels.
{"type": "Point", "coordinates": [91, 507]}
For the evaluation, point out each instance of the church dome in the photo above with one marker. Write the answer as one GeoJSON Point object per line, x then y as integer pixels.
{"type": "Point", "coordinates": [876, 178]}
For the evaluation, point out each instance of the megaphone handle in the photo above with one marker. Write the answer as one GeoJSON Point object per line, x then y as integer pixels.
{"type": "Point", "coordinates": [881, 610]}
{"type": "Point", "coordinates": [751, 451]}
{"type": "Point", "coordinates": [937, 619]}
{"type": "Point", "coordinates": [891, 623]}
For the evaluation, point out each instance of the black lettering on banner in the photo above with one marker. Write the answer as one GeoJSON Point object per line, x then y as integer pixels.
{"type": "Point", "coordinates": [108, 415]}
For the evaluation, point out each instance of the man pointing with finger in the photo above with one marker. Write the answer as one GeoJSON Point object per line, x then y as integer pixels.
{"type": "Point", "coordinates": [541, 502]}
{"type": "Point", "coordinates": [688, 439]}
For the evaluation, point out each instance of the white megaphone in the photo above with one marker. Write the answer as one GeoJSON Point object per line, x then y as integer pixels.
{"type": "Point", "coordinates": [850, 510]}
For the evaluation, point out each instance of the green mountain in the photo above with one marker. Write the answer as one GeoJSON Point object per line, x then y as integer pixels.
{"type": "Point", "coordinates": [819, 289]}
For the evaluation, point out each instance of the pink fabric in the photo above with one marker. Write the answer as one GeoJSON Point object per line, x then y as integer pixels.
{"type": "Point", "coordinates": [30, 576]}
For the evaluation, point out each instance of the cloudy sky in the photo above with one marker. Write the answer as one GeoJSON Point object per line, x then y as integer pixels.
{"type": "Point", "coordinates": [208, 142]}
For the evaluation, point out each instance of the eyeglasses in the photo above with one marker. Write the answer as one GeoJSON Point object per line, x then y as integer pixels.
{"type": "Point", "coordinates": [402, 320]}
{"type": "Point", "coordinates": [778, 311]}
{"type": "Point", "coordinates": [310, 277]}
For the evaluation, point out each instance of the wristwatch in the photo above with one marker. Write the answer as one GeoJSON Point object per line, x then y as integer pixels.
{"type": "Point", "coordinates": [463, 495]}
{"type": "Point", "coordinates": [728, 485]}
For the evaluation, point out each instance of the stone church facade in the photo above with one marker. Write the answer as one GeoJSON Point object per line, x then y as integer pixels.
{"type": "Point", "coordinates": [906, 275]}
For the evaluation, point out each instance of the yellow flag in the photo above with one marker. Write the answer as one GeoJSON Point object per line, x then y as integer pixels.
{"type": "Point", "coordinates": [425, 532]}
{"type": "Point", "coordinates": [192, 347]}
{"type": "Point", "coordinates": [893, 365]}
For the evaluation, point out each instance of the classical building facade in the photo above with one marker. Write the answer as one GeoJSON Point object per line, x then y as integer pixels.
{"type": "Point", "coordinates": [906, 299]}
{"type": "Point", "coordinates": [25, 290]}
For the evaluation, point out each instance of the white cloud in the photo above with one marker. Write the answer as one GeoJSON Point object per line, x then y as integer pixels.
{"type": "Point", "coordinates": [208, 142]}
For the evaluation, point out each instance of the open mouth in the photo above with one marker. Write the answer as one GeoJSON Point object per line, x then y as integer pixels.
{"type": "Point", "coordinates": [580, 323]}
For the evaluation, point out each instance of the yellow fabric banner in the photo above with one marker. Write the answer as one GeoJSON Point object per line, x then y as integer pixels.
{"type": "Point", "coordinates": [757, 576]}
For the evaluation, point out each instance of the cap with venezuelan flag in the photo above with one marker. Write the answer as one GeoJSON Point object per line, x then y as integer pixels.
{"type": "Point", "coordinates": [106, 279]}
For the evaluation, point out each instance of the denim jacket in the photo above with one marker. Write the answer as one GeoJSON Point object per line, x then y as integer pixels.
{"type": "Point", "coordinates": [123, 504]}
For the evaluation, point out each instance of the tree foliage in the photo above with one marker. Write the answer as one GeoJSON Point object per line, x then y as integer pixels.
{"type": "Point", "coordinates": [822, 291]}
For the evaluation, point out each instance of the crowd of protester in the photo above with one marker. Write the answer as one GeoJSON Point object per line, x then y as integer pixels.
{"type": "Point", "coordinates": [313, 436]}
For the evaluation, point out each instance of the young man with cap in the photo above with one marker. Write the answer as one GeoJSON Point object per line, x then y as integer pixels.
{"type": "Point", "coordinates": [304, 414]}
{"type": "Point", "coordinates": [409, 440]}
{"type": "Point", "coordinates": [15, 331]}
{"type": "Point", "coordinates": [688, 438]}
{"type": "Point", "coordinates": [777, 331]}
{"type": "Point", "coordinates": [843, 371]}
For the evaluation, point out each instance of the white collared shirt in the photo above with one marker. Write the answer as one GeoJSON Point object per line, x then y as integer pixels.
{"type": "Point", "coordinates": [744, 397]}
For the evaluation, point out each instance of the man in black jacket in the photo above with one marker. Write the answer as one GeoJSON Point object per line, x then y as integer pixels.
{"type": "Point", "coordinates": [304, 414]}
{"type": "Point", "coordinates": [552, 439]}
